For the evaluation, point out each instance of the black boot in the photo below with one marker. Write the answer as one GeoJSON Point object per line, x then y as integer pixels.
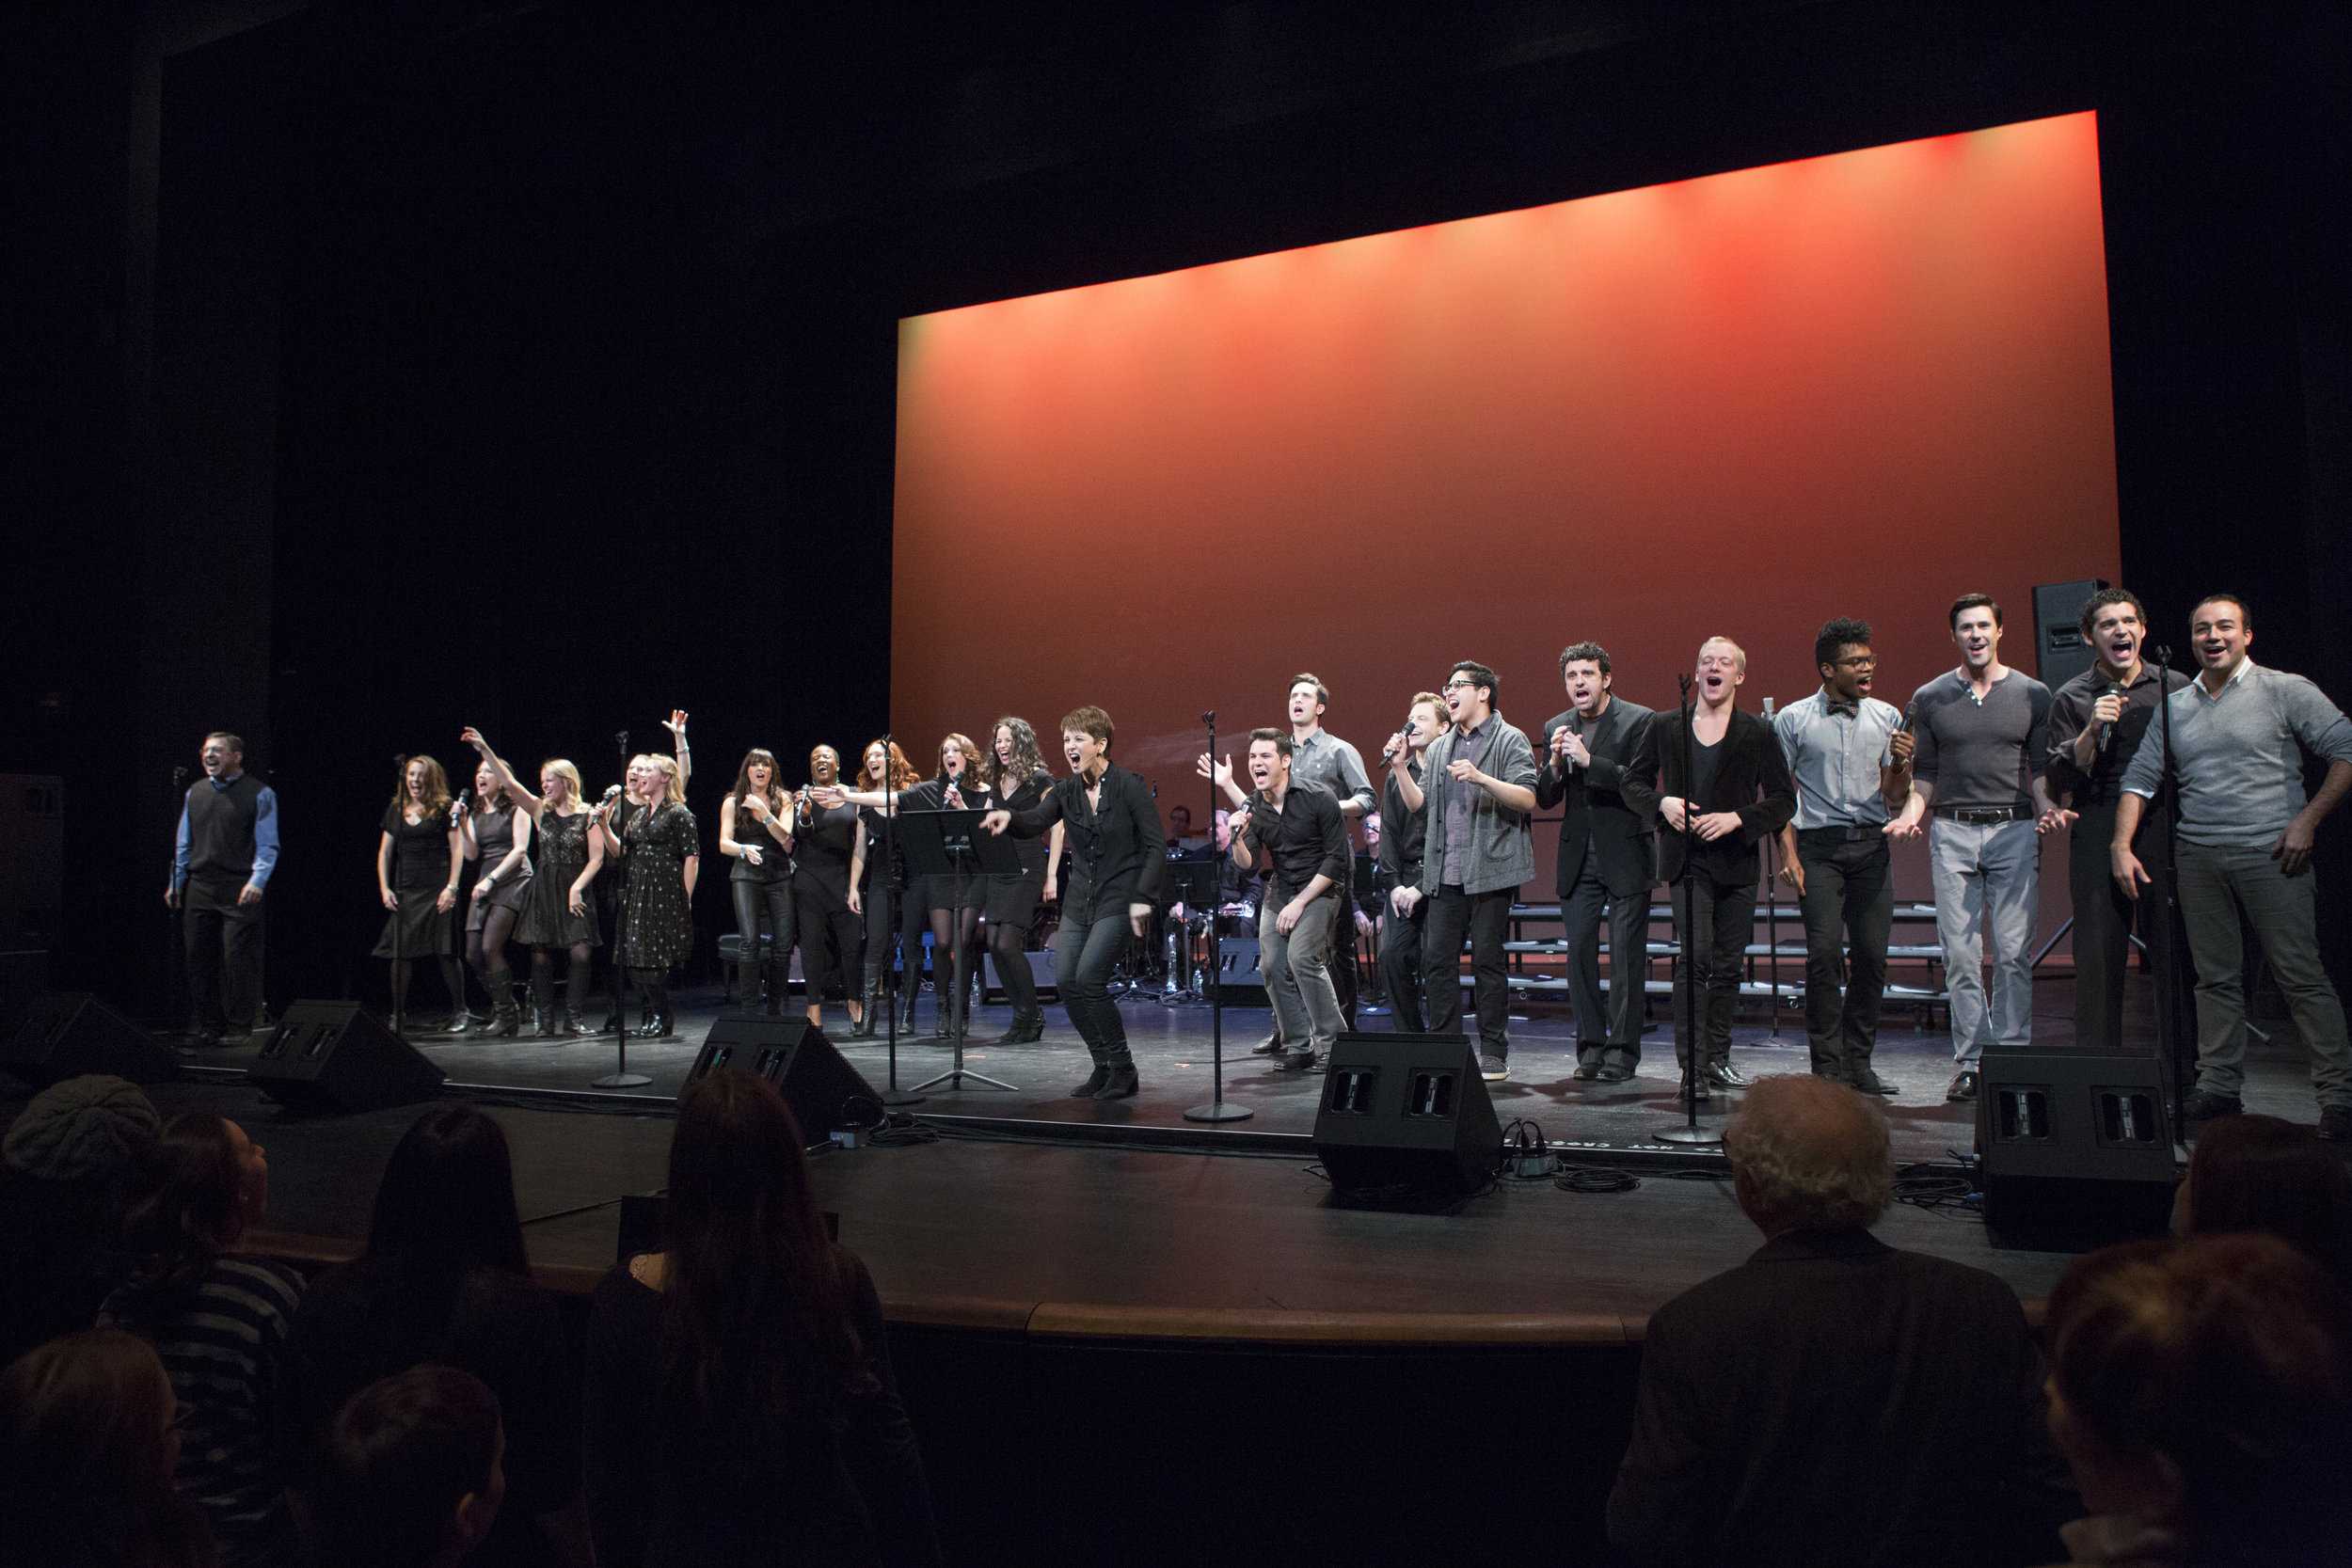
{"type": "Point", "coordinates": [1118, 1081]}
{"type": "Point", "coordinates": [1101, 1075]}
{"type": "Point", "coordinates": [1028, 1021]}
{"type": "Point", "coordinates": [543, 1019]}
{"type": "Point", "coordinates": [906, 1004]}
{"type": "Point", "coordinates": [1025, 1031]}
{"type": "Point", "coordinates": [506, 1019]}
{"type": "Point", "coordinates": [747, 982]}
{"type": "Point", "coordinates": [779, 982]}
{"type": "Point", "coordinates": [867, 1027]}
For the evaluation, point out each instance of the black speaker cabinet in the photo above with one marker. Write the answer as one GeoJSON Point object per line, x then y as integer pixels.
{"type": "Point", "coordinates": [67, 1033]}
{"type": "Point", "coordinates": [823, 1089]}
{"type": "Point", "coordinates": [339, 1056]}
{"type": "Point", "coordinates": [1407, 1110]}
{"type": "Point", "coordinates": [2060, 649]}
{"type": "Point", "coordinates": [2075, 1144]}
{"type": "Point", "coordinates": [1240, 981]}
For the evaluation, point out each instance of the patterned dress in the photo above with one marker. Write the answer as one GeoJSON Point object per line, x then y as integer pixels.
{"type": "Point", "coordinates": [656, 929]}
{"type": "Point", "coordinates": [547, 920]}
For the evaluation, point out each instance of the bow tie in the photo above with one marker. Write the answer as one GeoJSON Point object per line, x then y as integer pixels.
{"type": "Point", "coordinates": [1852, 710]}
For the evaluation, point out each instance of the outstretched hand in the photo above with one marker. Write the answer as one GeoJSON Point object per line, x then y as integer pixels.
{"type": "Point", "coordinates": [996, 821]}
{"type": "Point", "coordinates": [472, 738]}
{"type": "Point", "coordinates": [1217, 773]}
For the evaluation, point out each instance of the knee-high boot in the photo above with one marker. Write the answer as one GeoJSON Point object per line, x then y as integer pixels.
{"type": "Point", "coordinates": [575, 995]}
{"type": "Point", "coordinates": [1028, 1020]}
{"type": "Point", "coordinates": [868, 999]}
{"type": "Point", "coordinates": [505, 1019]}
{"type": "Point", "coordinates": [747, 976]}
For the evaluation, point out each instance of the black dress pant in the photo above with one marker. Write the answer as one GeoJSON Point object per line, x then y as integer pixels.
{"type": "Point", "coordinates": [1724, 920]}
{"type": "Point", "coordinates": [2104, 923]}
{"type": "Point", "coordinates": [1849, 908]}
{"type": "Point", "coordinates": [1401, 966]}
{"type": "Point", "coordinates": [1610, 1034]}
{"type": "Point", "coordinates": [224, 947]}
{"type": "Point", "coordinates": [887, 908]}
{"type": "Point", "coordinates": [829, 947]}
{"type": "Point", "coordinates": [1484, 920]}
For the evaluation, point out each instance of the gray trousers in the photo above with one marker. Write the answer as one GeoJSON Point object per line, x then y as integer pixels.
{"type": "Point", "coordinates": [2217, 886]}
{"type": "Point", "coordinates": [1988, 873]}
{"type": "Point", "coordinates": [1297, 971]}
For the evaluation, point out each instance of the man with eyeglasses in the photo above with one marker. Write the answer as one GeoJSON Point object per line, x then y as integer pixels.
{"type": "Point", "coordinates": [1850, 759]}
{"type": "Point", "coordinates": [1479, 851]}
{"type": "Point", "coordinates": [1984, 739]}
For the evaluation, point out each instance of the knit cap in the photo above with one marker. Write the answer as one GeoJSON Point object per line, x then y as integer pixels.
{"type": "Point", "coordinates": [82, 1129]}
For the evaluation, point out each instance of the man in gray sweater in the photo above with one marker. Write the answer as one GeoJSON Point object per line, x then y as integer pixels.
{"type": "Point", "coordinates": [2236, 741]}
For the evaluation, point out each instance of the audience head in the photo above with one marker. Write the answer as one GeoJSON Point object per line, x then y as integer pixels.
{"type": "Point", "coordinates": [72, 1162]}
{"type": "Point", "coordinates": [1809, 1154]}
{"type": "Point", "coordinates": [2260, 1173]}
{"type": "Point", "coordinates": [2206, 1385]}
{"type": "Point", "coordinates": [412, 1473]}
{"type": "Point", "coordinates": [94, 1129]}
{"type": "Point", "coordinates": [446, 1204]}
{"type": "Point", "coordinates": [753, 1323]}
{"type": "Point", "coordinates": [211, 1186]}
{"type": "Point", "coordinates": [87, 1448]}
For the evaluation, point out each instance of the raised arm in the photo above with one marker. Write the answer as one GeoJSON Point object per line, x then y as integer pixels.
{"type": "Point", "coordinates": [675, 724]}
{"type": "Point", "coordinates": [515, 787]}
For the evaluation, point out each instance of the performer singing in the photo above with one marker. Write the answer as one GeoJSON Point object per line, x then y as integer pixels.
{"type": "Point", "coordinates": [879, 892]}
{"type": "Point", "coordinates": [2096, 722]}
{"type": "Point", "coordinates": [954, 902]}
{"type": "Point", "coordinates": [557, 917]}
{"type": "Point", "coordinates": [826, 838]}
{"type": "Point", "coordinates": [419, 861]}
{"type": "Point", "coordinates": [755, 833]}
{"type": "Point", "coordinates": [619, 804]}
{"type": "Point", "coordinates": [1295, 833]}
{"type": "Point", "coordinates": [1403, 833]}
{"type": "Point", "coordinates": [1017, 781]}
{"type": "Point", "coordinates": [221, 863]}
{"type": "Point", "coordinates": [2239, 734]}
{"type": "Point", "coordinates": [1119, 859]}
{"type": "Point", "coordinates": [1849, 758]}
{"type": "Point", "coordinates": [1736, 792]}
{"type": "Point", "coordinates": [1982, 733]}
{"type": "Point", "coordinates": [1608, 860]}
{"type": "Point", "coordinates": [1478, 853]}
{"type": "Point", "coordinates": [498, 833]}
{"type": "Point", "coordinates": [659, 851]}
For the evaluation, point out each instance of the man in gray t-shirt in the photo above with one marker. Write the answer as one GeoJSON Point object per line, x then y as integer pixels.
{"type": "Point", "coordinates": [1982, 737]}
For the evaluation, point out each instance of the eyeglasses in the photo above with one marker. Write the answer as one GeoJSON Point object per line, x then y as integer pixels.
{"type": "Point", "coordinates": [1863, 663]}
{"type": "Point", "coordinates": [1459, 686]}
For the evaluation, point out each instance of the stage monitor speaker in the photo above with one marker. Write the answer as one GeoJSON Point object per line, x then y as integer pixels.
{"type": "Point", "coordinates": [2059, 647]}
{"type": "Point", "coordinates": [1240, 982]}
{"type": "Point", "coordinates": [2075, 1145]}
{"type": "Point", "coordinates": [1403, 1110]}
{"type": "Point", "coordinates": [823, 1089]}
{"type": "Point", "coordinates": [67, 1033]}
{"type": "Point", "coordinates": [339, 1056]}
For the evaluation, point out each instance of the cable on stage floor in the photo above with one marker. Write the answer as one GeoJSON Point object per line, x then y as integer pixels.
{"type": "Point", "coordinates": [1947, 1190]}
{"type": "Point", "coordinates": [900, 1132]}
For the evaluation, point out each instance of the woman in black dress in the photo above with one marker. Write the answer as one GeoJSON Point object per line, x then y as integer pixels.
{"type": "Point", "coordinates": [418, 863]}
{"type": "Point", "coordinates": [1118, 857]}
{"type": "Point", "coordinates": [498, 833]}
{"type": "Point", "coordinates": [715, 1443]}
{"type": "Point", "coordinates": [755, 833]}
{"type": "Point", "coordinates": [1017, 779]}
{"type": "Point", "coordinates": [877, 893]}
{"type": "Point", "coordinates": [953, 903]}
{"type": "Point", "coordinates": [559, 916]}
{"type": "Point", "coordinates": [660, 850]}
{"type": "Point", "coordinates": [825, 840]}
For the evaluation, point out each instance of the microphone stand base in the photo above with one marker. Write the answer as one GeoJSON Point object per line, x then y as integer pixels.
{"type": "Point", "coordinates": [1696, 1137]}
{"type": "Point", "coordinates": [1219, 1109]}
{"type": "Point", "coordinates": [895, 1097]}
{"type": "Point", "coordinates": [622, 1080]}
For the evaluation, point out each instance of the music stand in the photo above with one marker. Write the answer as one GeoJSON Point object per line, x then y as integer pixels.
{"type": "Point", "coordinates": [1193, 878]}
{"type": "Point", "coordinates": [953, 844]}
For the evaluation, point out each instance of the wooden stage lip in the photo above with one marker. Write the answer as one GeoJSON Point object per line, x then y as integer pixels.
{"type": "Point", "coordinates": [1200, 1325]}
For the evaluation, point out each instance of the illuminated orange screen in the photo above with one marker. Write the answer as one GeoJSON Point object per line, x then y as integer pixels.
{"type": "Point", "coordinates": [1855, 385]}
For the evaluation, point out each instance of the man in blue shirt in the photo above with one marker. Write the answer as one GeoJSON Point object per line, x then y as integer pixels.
{"type": "Point", "coordinates": [227, 849]}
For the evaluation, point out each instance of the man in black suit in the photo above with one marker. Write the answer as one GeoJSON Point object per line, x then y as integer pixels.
{"type": "Point", "coordinates": [1832, 1400]}
{"type": "Point", "coordinates": [1608, 858]}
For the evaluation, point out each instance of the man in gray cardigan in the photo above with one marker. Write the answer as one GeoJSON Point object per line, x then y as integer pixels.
{"type": "Point", "coordinates": [1478, 851]}
{"type": "Point", "coordinates": [2237, 737]}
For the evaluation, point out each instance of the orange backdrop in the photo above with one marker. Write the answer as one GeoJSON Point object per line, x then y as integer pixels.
{"type": "Point", "coordinates": [1743, 405]}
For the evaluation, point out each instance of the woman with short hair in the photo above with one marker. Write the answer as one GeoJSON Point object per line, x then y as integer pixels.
{"type": "Point", "coordinates": [660, 850]}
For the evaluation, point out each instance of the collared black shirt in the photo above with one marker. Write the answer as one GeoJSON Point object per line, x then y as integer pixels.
{"type": "Point", "coordinates": [1118, 853]}
{"type": "Point", "coordinates": [1403, 833]}
{"type": "Point", "coordinates": [2069, 710]}
{"type": "Point", "coordinates": [1307, 836]}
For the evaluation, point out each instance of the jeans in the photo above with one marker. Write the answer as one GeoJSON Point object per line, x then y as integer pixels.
{"type": "Point", "coordinates": [2217, 886]}
{"type": "Point", "coordinates": [1297, 971]}
{"type": "Point", "coordinates": [1400, 966]}
{"type": "Point", "coordinates": [752, 899]}
{"type": "Point", "coordinates": [1084, 951]}
{"type": "Point", "coordinates": [1990, 869]}
{"type": "Point", "coordinates": [1715, 951]}
{"type": "Point", "coordinates": [224, 945]}
{"type": "Point", "coordinates": [1609, 1036]}
{"type": "Point", "coordinates": [1484, 920]}
{"type": "Point", "coordinates": [2104, 921]}
{"type": "Point", "coordinates": [1848, 908]}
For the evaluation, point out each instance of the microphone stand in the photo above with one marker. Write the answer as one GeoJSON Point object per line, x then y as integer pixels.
{"type": "Point", "coordinates": [620, 1077]}
{"type": "Point", "coordinates": [1689, 1132]}
{"type": "Point", "coordinates": [893, 1096]}
{"type": "Point", "coordinates": [1772, 909]}
{"type": "Point", "coordinates": [176, 962]}
{"type": "Point", "coordinates": [2167, 909]}
{"type": "Point", "coordinates": [1218, 1108]}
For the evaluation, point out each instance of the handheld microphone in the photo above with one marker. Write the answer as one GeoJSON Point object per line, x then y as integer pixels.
{"type": "Point", "coordinates": [1911, 717]}
{"type": "Point", "coordinates": [2106, 731]}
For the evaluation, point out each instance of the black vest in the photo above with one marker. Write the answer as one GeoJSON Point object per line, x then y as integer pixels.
{"type": "Point", "coordinates": [220, 829]}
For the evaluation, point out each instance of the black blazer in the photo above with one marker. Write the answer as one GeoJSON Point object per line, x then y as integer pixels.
{"type": "Point", "coordinates": [1598, 818]}
{"type": "Point", "coordinates": [1751, 778]}
{"type": "Point", "coordinates": [1835, 1401]}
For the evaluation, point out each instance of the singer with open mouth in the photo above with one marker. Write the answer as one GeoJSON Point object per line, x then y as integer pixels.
{"type": "Point", "coordinates": [561, 915]}
{"type": "Point", "coordinates": [1118, 858]}
{"type": "Point", "coordinates": [2096, 722]}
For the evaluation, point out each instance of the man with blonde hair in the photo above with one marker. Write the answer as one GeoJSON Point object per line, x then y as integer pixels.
{"type": "Point", "coordinates": [1831, 1398]}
